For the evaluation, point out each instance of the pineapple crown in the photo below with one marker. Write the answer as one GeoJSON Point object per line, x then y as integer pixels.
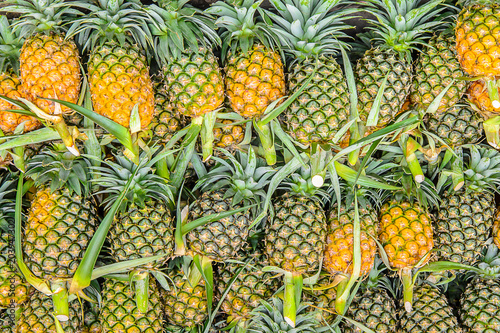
{"type": "Point", "coordinates": [43, 16]}
{"type": "Point", "coordinates": [176, 25]}
{"type": "Point", "coordinates": [478, 164]}
{"type": "Point", "coordinates": [7, 202]}
{"type": "Point", "coordinates": [309, 28]}
{"type": "Point", "coordinates": [402, 24]}
{"type": "Point", "coordinates": [376, 278]}
{"type": "Point", "coordinates": [268, 317]}
{"type": "Point", "coordinates": [489, 266]}
{"type": "Point", "coordinates": [242, 27]}
{"type": "Point", "coordinates": [112, 20]}
{"type": "Point", "coordinates": [301, 183]}
{"type": "Point", "coordinates": [57, 168]}
{"type": "Point", "coordinates": [146, 185]}
{"type": "Point", "coordinates": [244, 176]}
{"type": "Point", "coordinates": [10, 46]}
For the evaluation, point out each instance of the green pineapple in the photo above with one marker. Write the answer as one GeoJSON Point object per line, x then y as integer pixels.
{"type": "Point", "coordinates": [320, 297]}
{"type": "Point", "coordinates": [480, 302]}
{"type": "Point", "coordinates": [312, 40]}
{"type": "Point", "coordinates": [399, 26]}
{"type": "Point", "coordinates": [119, 311]}
{"type": "Point", "coordinates": [60, 222]}
{"type": "Point", "coordinates": [465, 217]}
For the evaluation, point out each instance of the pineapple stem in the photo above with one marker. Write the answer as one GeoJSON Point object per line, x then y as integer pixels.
{"type": "Point", "coordinates": [266, 139]}
{"type": "Point", "coordinates": [293, 291]}
{"type": "Point", "coordinates": [492, 131]}
{"type": "Point", "coordinates": [493, 93]}
{"type": "Point", "coordinates": [60, 301]}
{"type": "Point", "coordinates": [66, 137]}
{"type": "Point", "coordinates": [207, 135]}
{"type": "Point", "coordinates": [412, 160]}
{"type": "Point", "coordinates": [18, 158]}
{"type": "Point", "coordinates": [342, 296]}
{"type": "Point", "coordinates": [142, 294]}
{"type": "Point", "coordinates": [407, 289]}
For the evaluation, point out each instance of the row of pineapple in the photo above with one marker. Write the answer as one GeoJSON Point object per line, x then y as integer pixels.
{"type": "Point", "coordinates": [120, 216]}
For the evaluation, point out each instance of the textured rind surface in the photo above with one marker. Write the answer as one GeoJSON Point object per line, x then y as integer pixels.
{"type": "Point", "coordinates": [50, 68]}
{"type": "Point", "coordinates": [119, 79]}
{"type": "Point", "coordinates": [296, 237]}
{"type": "Point", "coordinates": [463, 224]}
{"type": "Point", "coordinates": [322, 108]}
{"type": "Point", "coordinates": [480, 306]}
{"type": "Point", "coordinates": [405, 233]}
{"type": "Point", "coordinates": [59, 227]}
{"type": "Point", "coordinates": [14, 289]}
{"type": "Point", "coordinates": [254, 80]}
{"type": "Point", "coordinates": [119, 313]}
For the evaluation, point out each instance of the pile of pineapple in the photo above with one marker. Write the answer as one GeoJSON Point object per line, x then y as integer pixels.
{"type": "Point", "coordinates": [249, 167]}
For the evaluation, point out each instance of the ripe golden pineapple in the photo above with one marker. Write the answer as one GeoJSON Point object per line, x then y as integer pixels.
{"type": "Point", "coordinates": [117, 69]}
{"type": "Point", "coordinates": [227, 135]}
{"type": "Point", "coordinates": [496, 229]}
{"type": "Point", "coordinates": [478, 95]}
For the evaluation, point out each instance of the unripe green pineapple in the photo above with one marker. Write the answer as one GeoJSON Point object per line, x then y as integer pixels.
{"type": "Point", "coordinates": [120, 314]}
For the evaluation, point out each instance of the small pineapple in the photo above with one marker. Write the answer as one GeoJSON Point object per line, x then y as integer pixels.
{"type": "Point", "coordinates": [480, 302]}
{"type": "Point", "coordinates": [49, 60]}
{"type": "Point", "coordinates": [118, 70]}
{"type": "Point", "coordinates": [119, 312]}
{"type": "Point", "coordinates": [466, 213]}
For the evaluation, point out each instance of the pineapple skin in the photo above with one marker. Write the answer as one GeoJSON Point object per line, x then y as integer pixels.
{"type": "Point", "coordinates": [478, 40]}
{"type": "Point", "coordinates": [496, 229]}
{"type": "Point", "coordinates": [185, 305]}
{"type": "Point", "coordinates": [370, 72]}
{"type": "Point", "coordinates": [195, 82]}
{"type": "Point", "coordinates": [457, 126]}
{"type": "Point", "coordinates": [228, 136]}
{"type": "Point", "coordinates": [36, 316]}
{"type": "Point", "coordinates": [339, 246]}
{"type": "Point", "coordinates": [254, 80]}
{"type": "Point", "coordinates": [14, 289]}
{"type": "Point", "coordinates": [296, 237]}
{"type": "Point", "coordinates": [143, 232]}
{"type": "Point", "coordinates": [431, 313]}
{"type": "Point", "coordinates": [322, 108]}
{"type": "Point", "coordinates": [222, 239]}
{"type": "Point", "coordinates": [10, 86]}
{"type": "Point", "coordinates": [405, 233]}
{"type": "Point", "coordinates": [119, 312]}
{"type": "Point", "coordinates": [50, 68]}
{"type": "Point", "coordinates": [59, 227]}
{"type": "Point", "coordinates": [479, 306]}
{"type": "Point", "coordinates": [435, 68]}
{"type": "Point", "coordinates": [478, 95]}
{"type": "Point", "coordinates": [119, 79]}
{"type": "Point", "coordinates": [463, 225]}
{"type": "Point", "coordinates": [319, 293]}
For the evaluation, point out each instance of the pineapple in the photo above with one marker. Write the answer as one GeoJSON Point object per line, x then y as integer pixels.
{"type": "Point", "coordinates": [457, 126]}
{"type": "Point", "coordinates": [37, 316]}
{"type": "Point", "coordinates": [496, 229]}
{"type": "Point", "coordinates": [10, 85]}
{"type": "Point", "coordinates": [390, 54]}
{"type": "Point", "coordinates": [14, 290]}
{"type": "Point", "coordinates": [478, 95]}
{"type": "Point", "coordinates": [480, 302]}
{"type": "Point", "coordinates": [431, 312]}
{"type": "Point", "coordinates": [61, 220]}
{"type": "Point", "coordinates": [435, 68]}
{"type": "Point", "coordinates": [228, 134]}
{"type": "Point", "coordinates": [466, 214]}
{"type": "Point", "coordinates": [119, 312]}
{"type": "Point", "coordinates": [373, 306]}
{"type": "Point", "coordinates": [322, 109]}
{"type": "Point", "coordinates": [118, 71]}
{"type": "Point", "coordinates": [232, 184]}
{"type": "Point", "coordinates": [185, 304]}
{"type": "Point", "coordinates": [49, 60]}
{"type": "Point", "coordinates": [321, 296]}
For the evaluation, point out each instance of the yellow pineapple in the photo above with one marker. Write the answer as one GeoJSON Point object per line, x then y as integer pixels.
{"type": "Point", "coordinates": [496, 229]}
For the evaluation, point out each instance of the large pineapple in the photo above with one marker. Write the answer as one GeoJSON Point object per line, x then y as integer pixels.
{"type": "Point", "coordinates": [435, 68]}
{"type": "Point", "coordinates": [399, 26]}
{"type": "Point", "coordinates": [431, 312]}
{"type": "Point", "coordinates": [322, 109]}
{"type": "Point", "coordinates": [251, 285]}
{"type": "Point", "coordinates": [457, 125]}
{"type": "Point", "coordinates": [465, 216]}
{"type": "Point", "coordinates": [233, 184]}
{"type": "Point", "coordinates": [117, 68]}
{"type": "Point", "coordinates": [480, 302]}
{"type": "Point", "coordinates": [14, 290]}
{"type": "Point", "coordinates": [61, 220]}
{"type": "Point", "coordinates": [120, 314]}
{"type": "Point", "coordinates": [10, 85]}
{"type": "Point", "coordinates": [49, 60]}
{"type": "Point", "coordinates": [37, 316]}
{"type": "Point", "coordinates": [296, 236]}
{"type": "Point", "coordinates": [373, 306]}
